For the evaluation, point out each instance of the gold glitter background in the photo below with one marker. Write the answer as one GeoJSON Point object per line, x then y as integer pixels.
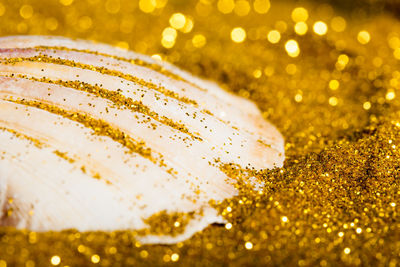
{"type": "Point", "coordinates": [326, 73]}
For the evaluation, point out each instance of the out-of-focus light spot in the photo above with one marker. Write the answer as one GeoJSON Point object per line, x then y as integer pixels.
{"type": "Point", "coordinates": [299, 14]}
{"type": "Point", "coordinates": [188, 25]}
{"type": "Point", "coordinates": [147, 6]}
{"type": "Point", "coordinates": [390, 95]}
{"type": "Point", "coordinates": [394, 42]}
{"type": "Point", "coordinates": [342, 61]}
{"type": "Point", "coordinates": [298, 98]}
{"type": "Point", "coordinates": [333, 101]}
{"type": "Point", "coordinates": [261, 6]}
{"type": "Point", "coordinates": [320, 28]}
{"type": "Point", "coordinates": [238, 35]}
{"type": "Point", "coordinates": [363, 37]}
{"type": "Point", "coordinates": [242, 8]}
{"type": "Point", "coordinates": [393, 204]}
{"type": "Point", "coordinates": [175, 257]}
{"type": "Point", "coordinates": [26, 11]}
{"type": "Point", "coordinates": [144, 254]}
{"type": "Point", "coordinates": [347, 251]}
{"type": "Point", "coordinates": [177, 21]}
{"type": "Point", "coordinates": [358, 230]}
{"type": "Point", "coordinates": [225, 6]}
{"type": "Point", "coordinates": [291, 69]}
{"type": "Point", "coordinates": [55, 260]}
{"type": "Point", "coordinates": [122, 45]}
{"type": "Point", "coordinates": [161, 3]}
{"type": "Point", "coordinates": [113, 6]}
{"type": "Point", "coordinates": [367, 105]}
{"type": "Point", "coordinates": [301, 28]}
{"type": "Point", "coordinates": [199, 40]}
{"type": "Point", "coordinates": [338, 24]}
{"type": "Point", "coordinates": [396, 53]}
{"type": "Point", "coordinates": [284, 219]}
{"type": "Point", "coordinates": [334, 84]}
{"type": "Point", "coordinates": [274, 36]}
{"type": "Point", "coordinates": [228, 226]}
{"type": "Point", "coordinates": [248, 245]}
{"type": "Point", "coordinates": [2, 9]}
{"type": "Point", "coordinates": [85, 23]}
{"type": "Point", "coordinates": [95, 258]}
{"type": "Point", "coordinates": [168, 37]}
{"type": "Point", "coordinates": [257, 73]}
{"type": "Point", "coordinates": [292, 48]}
{"type": "Point", "coordinates": [156, 56]}
{"type": "Point", "coordinates": [281, 26]}
{"type": "Point", "coordinates": [340, 234]}
{"type": "Point", "coordinates": [269, 71]}
{"type": "Point", "coordinates": [51, 24]}
{"type": "Point", "coordinates": [66, 2]}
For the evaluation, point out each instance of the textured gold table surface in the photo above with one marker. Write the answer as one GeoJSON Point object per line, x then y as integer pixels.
{"type": "Point", "coordinates": [326, 74]}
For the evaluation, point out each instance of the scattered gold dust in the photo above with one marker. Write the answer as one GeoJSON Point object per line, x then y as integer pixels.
{"type": "Point", "coordinates": [338, 112]}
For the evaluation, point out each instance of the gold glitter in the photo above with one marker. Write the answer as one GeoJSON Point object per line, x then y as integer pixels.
{"type": "Point", "coordinates": [340, 164]}
{"type": "Point", "coordinates": [46, 59]}
{"type": "Point", "coordinates": [121, 101]}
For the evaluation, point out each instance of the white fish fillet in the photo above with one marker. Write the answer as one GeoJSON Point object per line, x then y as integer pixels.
{"type": "Point", "coordinates": [97, 138]}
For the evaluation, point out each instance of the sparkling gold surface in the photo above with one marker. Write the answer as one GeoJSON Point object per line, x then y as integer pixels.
{"type": "Point", "coordinates": [328, 77]}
